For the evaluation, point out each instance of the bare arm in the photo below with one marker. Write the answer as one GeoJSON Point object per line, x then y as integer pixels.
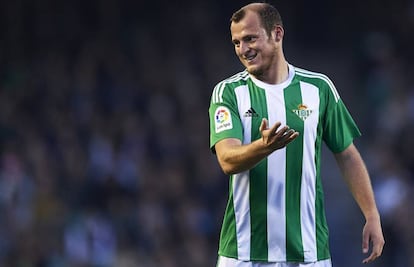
{"type": "Point", "coordinates": [234, 157]}
{"type": "Point", "coordinates": [357, 178]}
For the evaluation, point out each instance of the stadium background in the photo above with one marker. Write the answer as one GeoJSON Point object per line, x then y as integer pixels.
{"type": "Point", "coordinates": [104, 154]}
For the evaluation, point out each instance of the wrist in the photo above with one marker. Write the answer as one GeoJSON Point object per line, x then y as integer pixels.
{"type": "Point", "coordinates": [265, 148]}
{"type": "Point", "coordinates": [372, 216]}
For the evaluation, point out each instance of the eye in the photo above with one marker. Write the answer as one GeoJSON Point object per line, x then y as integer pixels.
{"type": "Point", "coordinates": [236, 43]}
{"type": "Point", "coordinates": [250, 39]}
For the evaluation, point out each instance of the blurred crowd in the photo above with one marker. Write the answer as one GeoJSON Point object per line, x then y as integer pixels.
{"type": "Point", "coordinates": [104, 130]}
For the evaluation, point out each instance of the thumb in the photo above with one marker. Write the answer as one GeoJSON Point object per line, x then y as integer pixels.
{"type": "Point", "coordinates": [365, 242]}
{"type": "Point", "coordinates": [263, 125]}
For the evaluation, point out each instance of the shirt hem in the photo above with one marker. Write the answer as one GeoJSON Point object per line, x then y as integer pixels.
{"type": "Point", "coordinates": [273, 261]}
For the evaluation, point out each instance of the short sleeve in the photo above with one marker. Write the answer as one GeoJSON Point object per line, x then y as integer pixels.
{"type": "Point", "coordinates": [339, 128]}
{"type": "Point", "coordinates": [224, 116]}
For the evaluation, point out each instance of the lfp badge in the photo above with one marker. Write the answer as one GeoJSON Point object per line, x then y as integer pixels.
{"type": "Point", "coordinates": [223, 119]}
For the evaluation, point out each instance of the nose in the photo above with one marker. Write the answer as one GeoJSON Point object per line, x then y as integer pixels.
{"type": "Point", "coordinates": [244, 47]}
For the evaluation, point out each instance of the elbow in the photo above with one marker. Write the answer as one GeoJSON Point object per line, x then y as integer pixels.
{"type": "Point", "coordinates": [229, 156]}
{"type": "Point", "coordinates": [229, 169]}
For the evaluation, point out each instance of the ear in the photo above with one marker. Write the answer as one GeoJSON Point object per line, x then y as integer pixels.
{"type": "Point", "coordinates": [278, 33]}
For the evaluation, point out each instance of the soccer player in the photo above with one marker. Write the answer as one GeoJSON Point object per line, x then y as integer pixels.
{"type": "Point", "coordinates": [267, 125]}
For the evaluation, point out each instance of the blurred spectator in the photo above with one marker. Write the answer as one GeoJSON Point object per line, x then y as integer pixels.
{"type": "Point", "coordinates": [104, 157]}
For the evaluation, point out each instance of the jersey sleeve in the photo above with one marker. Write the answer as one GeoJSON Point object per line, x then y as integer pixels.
{"type": "Point", "coordinates": [224, 115]}
{"type": "Point", "coordinates": [340, 128]}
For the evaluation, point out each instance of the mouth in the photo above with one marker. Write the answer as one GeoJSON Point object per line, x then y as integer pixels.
{"type": "Point", "coordinates": [249, 58]}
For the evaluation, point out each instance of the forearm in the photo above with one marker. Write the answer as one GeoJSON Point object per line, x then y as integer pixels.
{"type": "Point", "coordinates": [357, 178]}
{"type": "Point", "coordinates": [235, 157]}
{"type": "Point", "coordinates": [238, 158]}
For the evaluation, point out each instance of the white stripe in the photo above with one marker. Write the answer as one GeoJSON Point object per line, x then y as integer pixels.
{"type": "Point", "coordinates": [215, 90]}
{"type": "Point", "coordinates": [220, 93]}
{"type": "Point", "coordinates": [241, 188]}
{"type": "Point", "coordinates": [311, 74]}
{"type": "Point", "coordinates": [241, 185]}
{"type": "Point", "coordinates": [243, 103]}
{"type": "Point", "coordinates": [321, 76]}
{"type": "Point", "coordinates": [276, 169]}
{"type": "Point", "coordinates": [310, 97]}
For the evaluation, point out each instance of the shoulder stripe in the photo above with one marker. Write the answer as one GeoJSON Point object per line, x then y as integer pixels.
{"type": "Point", "coordinates": [219, 89]}
{"type": "Point", "coordinates": [321, 76]}
{"type": "Point", "coordinates": [220, 93]}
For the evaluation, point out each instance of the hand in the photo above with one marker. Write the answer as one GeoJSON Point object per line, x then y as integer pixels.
{"type": "Point", "coordinates": [276, 138]}
{"type": "Point", "coordinates": [372, 233]}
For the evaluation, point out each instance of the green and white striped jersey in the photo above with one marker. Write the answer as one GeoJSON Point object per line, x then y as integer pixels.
{"type": "Point", "coordinates": [275, 211]}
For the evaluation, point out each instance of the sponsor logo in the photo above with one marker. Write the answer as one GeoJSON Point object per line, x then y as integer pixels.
{"type": "Point", "coordinates": [223, 119]}
{"type": "Point", "coordinates": [302, 112]}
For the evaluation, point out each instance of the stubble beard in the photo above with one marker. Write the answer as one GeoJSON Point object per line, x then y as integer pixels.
{"type": "Point", "coordinates": [258, 72]}
{"type": "Point", "coordinates": [262, 70]}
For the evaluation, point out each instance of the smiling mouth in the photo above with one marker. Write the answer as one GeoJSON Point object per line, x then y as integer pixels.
{"type": "Point", "coordinates": [250, 58]}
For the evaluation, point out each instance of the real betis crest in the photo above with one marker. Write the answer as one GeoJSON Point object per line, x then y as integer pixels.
{"type": "Point", "coordinates": [303, 112]}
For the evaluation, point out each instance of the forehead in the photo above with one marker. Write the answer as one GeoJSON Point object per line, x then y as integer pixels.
{"type": "Point", "coordinates": [250, 24]}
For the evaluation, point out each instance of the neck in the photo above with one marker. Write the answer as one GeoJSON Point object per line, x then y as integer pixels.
{"type": "Point", "coordinates": [278, 74]}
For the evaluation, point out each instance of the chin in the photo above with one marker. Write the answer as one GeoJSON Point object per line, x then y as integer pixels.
{"type": "Point", "coordinates": [255, 71]}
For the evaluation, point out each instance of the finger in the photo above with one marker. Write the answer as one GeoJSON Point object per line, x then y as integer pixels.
{"type": "Point", "coordinates": [376, 251]}
{"type": "Point", "coordinates": [377, 247]}
{"type": "Point", "coordinates": [371, 257]}
{"type": "Point", "coordinates": [275, 127]}
{"type": "Point", "coordinates": [282, 131]}
{"type": "Point", "coordinates": [288, 133]}
{"type": "Point", "coordinates": [367, 260]}
{"type": "Point", "coordinates": [291, 135]}
{"type": "Point", "coordinates": [263, 125]}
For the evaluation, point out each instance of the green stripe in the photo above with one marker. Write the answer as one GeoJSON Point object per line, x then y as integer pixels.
{"type": "Point", "coordinates": [228, 235]}
{"type": "Point", "coordinates": [258, 183]}
{"type": "Point", "coordinates": [322, 234]}
{"type": "Point", "coordinates": [294, 154]}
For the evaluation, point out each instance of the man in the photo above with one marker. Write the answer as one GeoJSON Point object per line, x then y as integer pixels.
{"type": "Point", "coordinates": [267, 125]}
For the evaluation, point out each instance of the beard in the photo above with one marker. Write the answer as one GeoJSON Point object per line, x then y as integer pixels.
{"type": "Point", "coordinates": [259, 72]}
{"type": "Point", "coordinates": [261, 69]}
{"type": "Point", "coordinates": [255, 71]}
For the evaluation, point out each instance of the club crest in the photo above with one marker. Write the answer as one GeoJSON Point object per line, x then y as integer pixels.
{"type": "Point", "coordinates": [302, 112]}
